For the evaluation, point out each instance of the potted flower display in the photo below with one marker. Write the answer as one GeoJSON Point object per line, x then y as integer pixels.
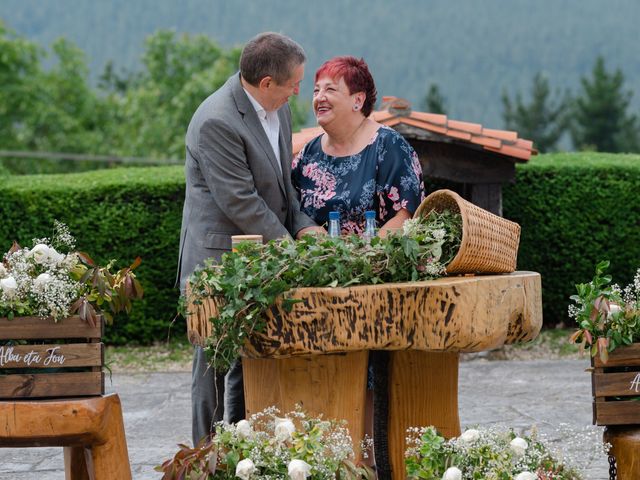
{"type": "Point", "coordinates": [52, 292]}
{"type": "Point", "coordinates": [270, 446]}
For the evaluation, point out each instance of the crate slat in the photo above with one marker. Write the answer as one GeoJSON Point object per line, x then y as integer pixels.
{"type": "Point", "coordinates": [627, 356]}
{"type": "Point", "coordinates": [624, 412]}
{"type": "Point", "coordinates": [52, 356]}
{"type": "Point", "coordinates": [32, 328]}
{"type": "Point", "coordinates": [73, 384]}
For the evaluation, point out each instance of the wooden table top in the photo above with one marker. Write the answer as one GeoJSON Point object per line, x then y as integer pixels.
{"type": "Point", "coordinates": [453, 314]}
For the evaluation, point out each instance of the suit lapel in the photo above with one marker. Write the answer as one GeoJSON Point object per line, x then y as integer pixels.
{"type": "Point", "coordinates": [251, 120]}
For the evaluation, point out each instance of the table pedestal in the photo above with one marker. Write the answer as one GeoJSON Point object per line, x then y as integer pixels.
{"type": "Point", "coordinates": [332, 385]}
{"type": "Point", "coordinates": [625, 447]}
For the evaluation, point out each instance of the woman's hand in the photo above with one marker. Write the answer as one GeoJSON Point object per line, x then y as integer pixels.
{"type": "Point", "coordinates": [310, 231]}
{"type": "Point", "coordinates": [395, 223]}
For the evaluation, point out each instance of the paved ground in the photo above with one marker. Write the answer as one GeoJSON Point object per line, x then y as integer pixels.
{"type": "Point", "coordinates": [554, 395]}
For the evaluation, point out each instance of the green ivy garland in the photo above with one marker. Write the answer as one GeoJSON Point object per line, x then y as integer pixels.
{"type": "Point", "coordinates": [250, 279]}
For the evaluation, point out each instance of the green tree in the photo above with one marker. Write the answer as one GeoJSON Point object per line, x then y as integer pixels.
{"type": "Point", "coordinates": [154, 112]}
{"type": "Point", "coordinates": [600, 118]}
{"type": "Point", "coordinates": [543, 120]}
{"type": "Point", "coordinates": [19, 65]}
{"type": "Point", "coordinates": [434, 101]}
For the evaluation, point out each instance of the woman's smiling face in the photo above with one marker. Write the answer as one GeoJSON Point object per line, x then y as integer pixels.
{"type": "Point", "coordinates": [331, 100]}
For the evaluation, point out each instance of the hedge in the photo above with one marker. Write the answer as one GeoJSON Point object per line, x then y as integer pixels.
{"type": "Point", "coordinates": [114, 214]}
{"type": "Point", "coordinates": [574, 209]}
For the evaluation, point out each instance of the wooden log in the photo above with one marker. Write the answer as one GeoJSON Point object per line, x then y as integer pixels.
{"type": "Point", "coordinates": [423, 391]}
{"type": "Point", "coordinates": [625, 447]}
{"type": "Point", "coordinates": [93, 423]}
{"type": "Point", "coordinates": [331, 385]}
{"type": "Point", "coordinates": [456, 314]}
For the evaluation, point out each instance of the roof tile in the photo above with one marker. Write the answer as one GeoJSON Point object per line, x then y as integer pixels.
{"type": "Point", "coordinates": [499, 141]}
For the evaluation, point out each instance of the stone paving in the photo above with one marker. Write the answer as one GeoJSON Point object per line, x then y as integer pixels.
{"type": "Point", "coordinates": [555, 395]}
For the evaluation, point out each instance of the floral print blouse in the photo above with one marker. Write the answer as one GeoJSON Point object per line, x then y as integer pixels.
{"type": "Point", "coordinates": [385, 177]}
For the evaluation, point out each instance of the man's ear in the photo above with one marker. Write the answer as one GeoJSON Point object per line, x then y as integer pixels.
{"type": "Point", "coordinates": [266, 82]}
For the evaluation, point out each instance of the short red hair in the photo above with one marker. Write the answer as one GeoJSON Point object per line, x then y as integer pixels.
{"type": "Point", "coordinates": [356, 76]}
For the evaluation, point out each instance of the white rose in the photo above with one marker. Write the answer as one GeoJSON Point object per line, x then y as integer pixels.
{"type": "Point", "coordinates": [284, 429]}
{"type": "Point", "coordinates": [243, 429]}
{"type": "Point", "coordinates": [245, 468]}
{"type": "Point", "coordinates": [469, 436]}
{"type": "Point", "coordinates": [40, 253]}
{"type": "Point", "coordinates": [613, 309]}
{"type": "Point", "coordinates": [299, 470]}
{"type": "Point", "coordinates": [55, 257]}
{"type": "Point", "coordinates": [41, 281]}
{"type": "Point", "coordinates": [526, 476]}
{"type": "Point", "coordinates": [3, 271]}
{"type": "Point", "coordinates": [452, 473]}
{"type": "Point", "coordinates": [9, 286]}
{"type": "Point", "coordinates": [518, 446]}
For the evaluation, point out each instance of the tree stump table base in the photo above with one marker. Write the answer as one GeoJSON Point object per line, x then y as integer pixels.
{"type": "Point", "coordinates": [625, 447]}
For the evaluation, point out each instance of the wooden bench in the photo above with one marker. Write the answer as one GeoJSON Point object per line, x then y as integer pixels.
{"type": "Point", "coordinates": [91, 430]}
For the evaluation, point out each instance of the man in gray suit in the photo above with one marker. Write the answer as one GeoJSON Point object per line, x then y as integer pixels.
{"type": "Point", "coordinates": [238, 181]}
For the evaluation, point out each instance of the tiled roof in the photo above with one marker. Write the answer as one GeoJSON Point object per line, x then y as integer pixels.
{"type": "Point", "coordinates": [397, 112]}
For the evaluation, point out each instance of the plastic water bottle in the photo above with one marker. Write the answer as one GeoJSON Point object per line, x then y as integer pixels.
{"type": "Point", "coordinates": [369, 225]}
{"type": "Point", "coordinates": [334, 224]}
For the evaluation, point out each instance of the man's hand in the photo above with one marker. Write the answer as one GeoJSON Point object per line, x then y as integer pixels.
{"type": "Point", "coordinates": [311, 231]}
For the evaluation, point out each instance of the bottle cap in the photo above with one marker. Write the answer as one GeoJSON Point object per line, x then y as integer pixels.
{"type": "Point", "coordinates": [334, 215]}
{"type": "Point", "coordinates": [370, 214]}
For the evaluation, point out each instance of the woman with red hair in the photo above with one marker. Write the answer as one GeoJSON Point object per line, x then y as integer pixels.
{"type": "Point", "coordinates": [357, 164]}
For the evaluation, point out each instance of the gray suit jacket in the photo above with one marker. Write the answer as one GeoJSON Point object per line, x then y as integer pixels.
{"type": "Point", "coordinates": [233, 183]}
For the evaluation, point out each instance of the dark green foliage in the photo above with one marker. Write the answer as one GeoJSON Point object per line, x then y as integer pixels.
{"type": "Point", "coordinates": [544, 121]}
{"type": "Point", "coordinates": [120, 213]}
{"type": "Point", "coordinates": [575, 210]}
{"type": "Point", "coordinates": [434, 101]}
{"type": "Point", "coordinates": [601, 121]}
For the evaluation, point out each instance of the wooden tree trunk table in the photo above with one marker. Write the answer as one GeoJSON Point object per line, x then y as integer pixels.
{"type": "Point", "coordinates": [316, 355]}
{"type": "Point", "coordinates": [90, 429]}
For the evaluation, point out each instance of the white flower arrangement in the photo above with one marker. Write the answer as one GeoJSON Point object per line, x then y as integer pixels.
{"type": "Point", "coordinates": [269, 446]}
{"type": "Point", "coordinates": [45, 281]}
{"type": "Point", "coordinates": [484, 454]}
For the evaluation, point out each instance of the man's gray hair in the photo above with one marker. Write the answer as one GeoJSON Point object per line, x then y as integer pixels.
{"type": "Point", "coordinates": [270, 54]}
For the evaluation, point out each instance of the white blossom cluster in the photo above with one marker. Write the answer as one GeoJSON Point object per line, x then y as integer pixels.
{"type": "Point", "coordinates": [631, 293]}
{"type": "Point", "coordinates": [487, 453]}
{"type": "Point", "coordinates": [271, 444]}
{"type": "Point", "coordinates": [38, 281]}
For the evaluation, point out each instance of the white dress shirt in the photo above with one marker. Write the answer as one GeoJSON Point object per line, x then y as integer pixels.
{"type": "Point", "coordinates": [271, 124]}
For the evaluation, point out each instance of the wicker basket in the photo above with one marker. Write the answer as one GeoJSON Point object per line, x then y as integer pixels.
{"type": "Point", "coordinates": [489, 242]}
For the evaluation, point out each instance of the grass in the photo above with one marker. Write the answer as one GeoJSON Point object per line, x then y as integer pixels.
{"type": "Point", "coordinates": [551, 344]}
{"type": "Point", "coordinates": [161, 357]}
{"type": "Point", "coordinates": [177, 356]}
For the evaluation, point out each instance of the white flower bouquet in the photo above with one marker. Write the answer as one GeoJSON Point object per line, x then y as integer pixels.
{"type": "Point", "coordinates": [486, 454]}
{"type": "Point", "coordinates": [52, 280]}
{"type": "Point", "coordinates": [268, 446]}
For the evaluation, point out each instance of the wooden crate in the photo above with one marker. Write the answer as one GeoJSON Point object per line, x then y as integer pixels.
{"type": "Point", "coordinates": [616, 387]}
{"type": "Point", "coordinates": [62, 359]}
